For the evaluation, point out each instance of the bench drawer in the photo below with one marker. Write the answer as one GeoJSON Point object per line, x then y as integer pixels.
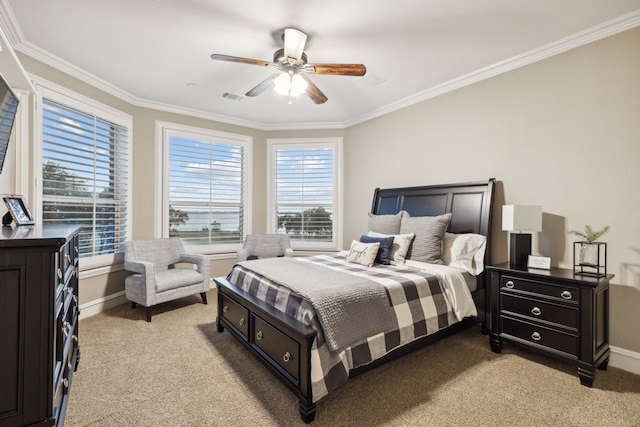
{"type": "Point", "coordinates": [236, 314]}
{"type": "Point", "coordinates": [284, 351]}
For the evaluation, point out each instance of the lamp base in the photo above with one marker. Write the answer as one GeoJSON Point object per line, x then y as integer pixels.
{"type": "Point", "coordinates": [519, 249]}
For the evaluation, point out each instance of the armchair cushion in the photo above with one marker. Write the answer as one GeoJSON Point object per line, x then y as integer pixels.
{"type": "Point", "coordinates": [265, 246]}
{"type": "Point", "coordinates": [176, 278]}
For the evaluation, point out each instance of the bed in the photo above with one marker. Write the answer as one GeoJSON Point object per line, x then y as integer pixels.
{"type": "Point", "coordinates": [315, 342]}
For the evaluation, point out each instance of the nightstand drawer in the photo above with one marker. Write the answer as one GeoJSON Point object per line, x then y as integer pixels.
{"type": "Point", "coordinates": [538, 310]}
{"type": "Point", "coordinates": [560, 292]}
{"type": "Point", "coordinates": [536, 334]}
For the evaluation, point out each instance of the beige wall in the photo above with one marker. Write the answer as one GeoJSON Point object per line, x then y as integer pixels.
{"type": "Point", "coordinates": [144, 165]}
{"type": "Point", "coordinates": [96, 287]}
{"type": "Point", "coordinates": [563, 133]}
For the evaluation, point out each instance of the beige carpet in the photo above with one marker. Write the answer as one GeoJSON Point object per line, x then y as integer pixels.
{"type": "Point", "coordinates": [179, 371]}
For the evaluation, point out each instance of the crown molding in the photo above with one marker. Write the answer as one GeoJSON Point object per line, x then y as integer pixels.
{"type": "Point", "coordinates": [598, 32]}
{"type": "Point", "coordinates": [606, 29]}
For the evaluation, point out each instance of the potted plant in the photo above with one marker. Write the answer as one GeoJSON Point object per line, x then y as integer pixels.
{"type": "Point", "coordinates": [590, 252]}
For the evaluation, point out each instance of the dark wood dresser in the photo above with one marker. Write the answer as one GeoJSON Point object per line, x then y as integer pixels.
{"type": "Point", "coordinates": [554, 311]}
{"type": "Point", "coordinates": [39, 323]}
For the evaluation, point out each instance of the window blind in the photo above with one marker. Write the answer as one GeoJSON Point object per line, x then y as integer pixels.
{"type": "Point", "coordinates": [304, 192]}
{"type": "Point", "coordinates": [84, 176]}
{"type": "Point", "coordinates": [206, 191]}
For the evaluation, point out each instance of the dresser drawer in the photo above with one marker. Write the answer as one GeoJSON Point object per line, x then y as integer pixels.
{"type": "Point", "coordinates": [280, 348]}
{"type": "Point", "coordinates": [236, 314]}
{"type": "Point", "coordinates": [532, 333]}
{"type": "Point", "coordinates": [560, 292]}
{"type": "Point", "coordinates": [536, 309]}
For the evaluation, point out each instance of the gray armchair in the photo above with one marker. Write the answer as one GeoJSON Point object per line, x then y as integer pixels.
{"type": "Point", "coordinates": [157, 279]}
{"type": "Point", "coordinates": [265, 246]}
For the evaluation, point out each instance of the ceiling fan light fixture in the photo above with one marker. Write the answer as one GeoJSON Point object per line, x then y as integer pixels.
{"type": "Point", "coordinates": [291, 85]}
{"type": "Point", "coordinates": [290, 63]}
{"type": "Point", "coordinates": [298, 85]}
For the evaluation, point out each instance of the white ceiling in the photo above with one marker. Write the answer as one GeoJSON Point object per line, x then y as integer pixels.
{"type": "Point", "coordinates": [148, 52]}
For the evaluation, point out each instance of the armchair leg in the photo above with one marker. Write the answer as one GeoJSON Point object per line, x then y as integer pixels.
{"type": "Point", "coordinates": [134, 304]}
{"type": "Point", "coordinates": [204, 297]}
{"type": "Point", "coordinates": [148, 314]}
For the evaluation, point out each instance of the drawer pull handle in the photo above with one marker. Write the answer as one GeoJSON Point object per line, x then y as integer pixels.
{"type": "Point", "coordinates": [259, 335]}
{"type": "Point", "coordinates": [536, 336]}
{"type": "Point", "coordinates": [510, 284]}
{"type": "Point", "coordinates": [68, 258]}
{"type": "Point", "coordinates": [536, 311]}
{"type": "Point", "coordinates": [225, 308]}
{"type": "Point", "coordinates": [74, 337]}
{"type": "Point", "coordinates": [566, 295]}
{"type": "Point", "coordinates": [60, 274]}
{"type": "Point", "coordinates": [286, 357]}
{"type": "Point", "coordinates": [242, 321]}
{"type": "Point", "coordinates": [65, 328]}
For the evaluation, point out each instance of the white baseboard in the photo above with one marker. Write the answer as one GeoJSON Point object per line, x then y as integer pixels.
{"type": "Point", "coordinates": [94, 307]}
{"type": "Point", "coordinates": [619, 358]}
{"type": "Point", "coordinates": [624, 359]}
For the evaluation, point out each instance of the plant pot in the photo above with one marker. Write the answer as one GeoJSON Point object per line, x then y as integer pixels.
{"type": "Point", "coordinates": [588, 255]}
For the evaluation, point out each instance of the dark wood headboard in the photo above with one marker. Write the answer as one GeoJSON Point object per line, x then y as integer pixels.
{"type": "Point", "coordinates": [470, 205]}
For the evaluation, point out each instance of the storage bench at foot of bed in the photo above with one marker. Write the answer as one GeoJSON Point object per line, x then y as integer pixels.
{"type": "Point", "coordinates": [281, 343]}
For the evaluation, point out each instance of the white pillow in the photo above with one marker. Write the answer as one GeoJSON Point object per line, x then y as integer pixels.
{"type": "Point", "coordinates": [400, 247]}
{"type": "Point", "coordinates": [363, 253]}
{"type": "Point", "coordinates": [464, 251]}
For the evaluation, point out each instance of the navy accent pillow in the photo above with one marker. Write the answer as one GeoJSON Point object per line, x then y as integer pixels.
{"type": "Point", "coordinates": [384, 252]}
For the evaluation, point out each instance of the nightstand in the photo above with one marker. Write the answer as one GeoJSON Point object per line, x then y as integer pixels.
{"type": "Point", "coordinates": [554, 311]}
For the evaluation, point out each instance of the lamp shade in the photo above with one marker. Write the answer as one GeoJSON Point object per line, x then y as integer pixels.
{"type": "Point", "coordinates": [521, 218]}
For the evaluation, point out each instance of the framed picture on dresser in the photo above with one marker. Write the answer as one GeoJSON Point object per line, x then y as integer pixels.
{"type": "Point", "coordinates": [18, 211]}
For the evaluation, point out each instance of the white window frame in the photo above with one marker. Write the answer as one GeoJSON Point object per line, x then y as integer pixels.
{"type": "Point", "coordinates": [164, 131]}
{"type": "Point", "coordinates": [336, 143]}
{"type": "Point", "coordinates": [62, 95]}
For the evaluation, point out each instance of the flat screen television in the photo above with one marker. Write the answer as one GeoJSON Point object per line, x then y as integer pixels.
{"type": "Point", "coordinates": [8, 109]}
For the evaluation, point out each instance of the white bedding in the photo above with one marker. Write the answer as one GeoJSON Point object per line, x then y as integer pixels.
{"type": "Point", "coordinates": [456, 288]}
{"type": "Point", "coordinates": [458, 285]}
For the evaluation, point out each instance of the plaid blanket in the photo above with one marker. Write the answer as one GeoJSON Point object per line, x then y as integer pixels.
{"type": "Point", "coordinates": [418, 300]}
{"type": "Point", "coordinates": [348, 306]}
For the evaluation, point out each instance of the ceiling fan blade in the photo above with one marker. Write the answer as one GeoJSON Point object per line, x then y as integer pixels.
{"type": "Point", "coordinates": [337, 69]}
{"type": "Point", "coordinates": [228, 58]}
{"type": "Point", "coordinates": [294, 42]}
{"type": "Point", "coordinates": [261, 87]}
{"type": "Point", "coordinates": [314, 93]}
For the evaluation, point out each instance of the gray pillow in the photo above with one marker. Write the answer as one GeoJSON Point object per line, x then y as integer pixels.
{"type": "Point", "coordinates": [385, 224]}
{"type": "Point", "coordinates": [429, 231]}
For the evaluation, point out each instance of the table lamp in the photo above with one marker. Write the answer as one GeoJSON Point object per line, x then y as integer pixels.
{"type": "Point", "coordinates": [516, 219]}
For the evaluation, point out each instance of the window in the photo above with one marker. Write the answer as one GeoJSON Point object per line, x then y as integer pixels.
{"type": "Point", "coordinates": [304, 191]}
{"type": "Point", "coordinates": [85, 173]}
{"type": "Point", "coordinates": [206, 192]}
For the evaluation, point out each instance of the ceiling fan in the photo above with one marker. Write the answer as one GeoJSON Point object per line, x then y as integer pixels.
{"type": "Point", "coordinates": [291, 63]}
